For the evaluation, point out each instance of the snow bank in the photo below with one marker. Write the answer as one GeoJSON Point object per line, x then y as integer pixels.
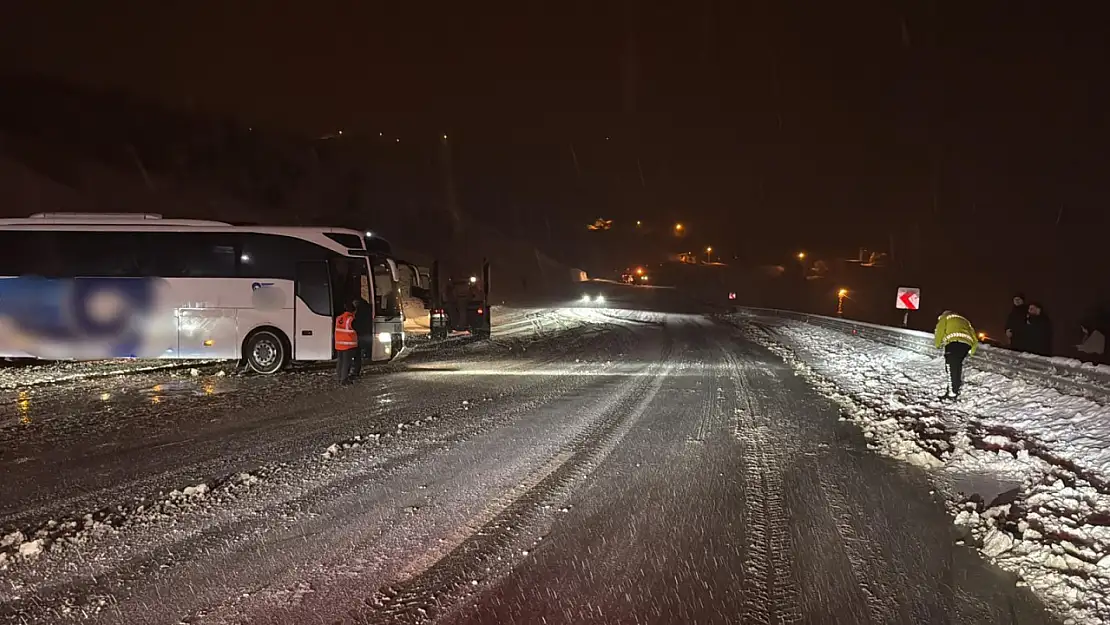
{"type": "Point", "coordinates": [1066, 374]}
{"type": "Point", "coordinates": [1053, 528]}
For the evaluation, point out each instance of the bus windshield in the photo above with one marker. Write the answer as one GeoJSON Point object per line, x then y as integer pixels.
{"type": "Point", "coordinates": [386, 288]}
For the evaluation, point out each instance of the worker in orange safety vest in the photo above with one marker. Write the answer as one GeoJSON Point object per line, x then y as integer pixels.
{"type": "Point", "coordinates": [346, 343]}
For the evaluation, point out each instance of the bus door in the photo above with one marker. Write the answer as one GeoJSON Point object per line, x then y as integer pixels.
{"type": "Point", "coordinates": [369, 288]}
{"type": "Point", "coordinates": [350, 280]}
{"type": "Point", "coordinates": [313, 320]}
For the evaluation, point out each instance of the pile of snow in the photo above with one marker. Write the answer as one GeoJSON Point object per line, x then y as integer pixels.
{"type": "Point", "coordinates": [59, 535]}
{"type": "Point", "coordinates": [1053, 528]}
{"type": "Point", "coordinates": [1056, 538]}
{"type": "Point", "coordinates": [335, 449]}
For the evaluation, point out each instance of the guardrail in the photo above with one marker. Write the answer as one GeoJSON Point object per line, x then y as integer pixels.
{"type": "Point", "coordinates": [1064, 374]}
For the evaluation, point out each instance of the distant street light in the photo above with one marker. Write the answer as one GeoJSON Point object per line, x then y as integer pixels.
{"type": "Point", "coordinates": [840, 297]}
{"type": "Point", "coordinates": [709, 254]}
{"type": "Point", "coordinates": [638, 223]}
{"type": "Point", "coordinates": [801, 255]}
{"type": "Point", "coordinates": [678, 228]}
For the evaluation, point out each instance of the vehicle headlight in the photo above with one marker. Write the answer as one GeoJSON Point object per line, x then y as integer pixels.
{"type": "Point", "coordinates": [586, 297]}
{"type": "Point", "coordinates": [385, 337]}
{"type": "Point", "coordinates": [599, 298]}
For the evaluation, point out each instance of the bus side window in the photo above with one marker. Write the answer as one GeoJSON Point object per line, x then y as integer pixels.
{"type": "Point", "coordinates": [313, 286]}
{"type": "Point", "coordinates": [16, 253]}
{"type": "Point", "coordinates": [212, 259]}
{"type": "Point", "coordinates": [345, 280]}
{"type": "Point", "coordinates": [364, 287]}
{"type": "Point", "coordinates": [104, 254]}
{"type": "Point", "coordinates": [44, 258]}
{"type": "Point", "coordinates": [360, 279]}
{"type": "Point", "coordinates": [192, 254]}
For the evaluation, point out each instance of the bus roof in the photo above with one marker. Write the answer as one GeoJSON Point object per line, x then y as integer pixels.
{"type": "Point", "coordinates": [153, 222]}
{"type": "Point", "coordinates": [151, 219]}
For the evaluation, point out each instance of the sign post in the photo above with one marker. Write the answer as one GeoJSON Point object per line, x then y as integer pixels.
{"type": "Point", "coordinates": [909, 298]}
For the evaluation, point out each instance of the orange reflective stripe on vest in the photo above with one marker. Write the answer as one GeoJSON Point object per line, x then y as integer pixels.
{"type": "Point", "coordinates": [345, 336]}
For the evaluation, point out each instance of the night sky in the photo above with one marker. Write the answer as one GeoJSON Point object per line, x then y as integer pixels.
{"type": "Point", "coordinates": [977, 129]}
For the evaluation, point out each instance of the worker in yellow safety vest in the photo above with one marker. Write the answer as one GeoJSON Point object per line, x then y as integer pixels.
{"type": "Point", "coordinates": [956, 336]}
{"type": "Point", "coordinates": [346, 343]}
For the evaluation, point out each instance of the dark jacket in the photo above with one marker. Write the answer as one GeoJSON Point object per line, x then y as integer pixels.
{"type": "Point", "coordinates": [1015, 323]}
{"type": "Point", "coordinates": [364, 318]}
{"type": "Point", "coordinates": [1038, 334]}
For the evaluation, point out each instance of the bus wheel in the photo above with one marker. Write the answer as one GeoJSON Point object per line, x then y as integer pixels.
{"type": "Point", "coordinates": [265, 352]}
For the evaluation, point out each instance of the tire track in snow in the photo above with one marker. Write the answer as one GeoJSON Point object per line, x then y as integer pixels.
{"type": "Point", "coordinates": [709, 414]}
{"type": "Point", "coordinates": [431, 594]}
{"type": "Point", "coordinates": [334, 526]}
{"type": "Point", "coordinates": [862, 555]}
{"type": "Point", "coordinates": [771, 595]}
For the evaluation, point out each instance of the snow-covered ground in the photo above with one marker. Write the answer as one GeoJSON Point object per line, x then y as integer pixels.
{"type": "Point", "coordinates": [477, 482]}
{"type": "Point", "coordinates": [1025, 468]}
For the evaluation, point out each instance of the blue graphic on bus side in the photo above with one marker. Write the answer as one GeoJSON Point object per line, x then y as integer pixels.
{"type": "Point", "coordinates": [108, 311]}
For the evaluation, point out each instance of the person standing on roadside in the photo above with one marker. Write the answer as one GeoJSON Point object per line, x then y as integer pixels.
{"type": "Point", "coordinates": [346, 343]}
{"type": "Point", "coordinates": [364, 328]}
{"type": "Point", "coordinates": [1015, 323]}
{"type": "Point", "coordinates": [956, 336]}
{"type": "Point", "coordinates": [1038, 329]}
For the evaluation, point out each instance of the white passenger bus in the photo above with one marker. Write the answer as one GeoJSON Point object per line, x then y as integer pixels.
{"type": "Point", "coordinates": [95, 286]}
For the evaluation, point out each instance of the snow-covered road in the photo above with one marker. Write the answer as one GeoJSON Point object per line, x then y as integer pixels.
{"type": "Point", "coordinates": [585, 466]}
